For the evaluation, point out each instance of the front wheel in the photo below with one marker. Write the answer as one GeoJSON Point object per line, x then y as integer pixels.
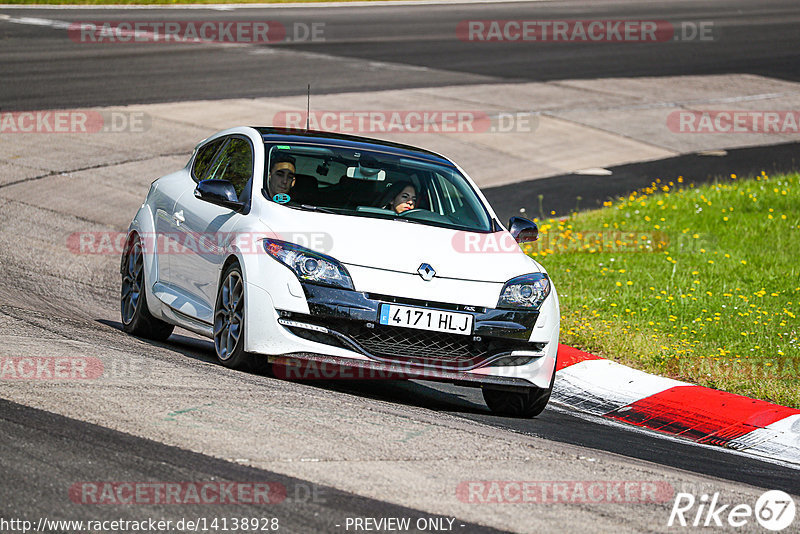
{"type": "Point", "coordinates": [527, 403]}
{"type": "Point", "coordinates": [229, 323]}
{"type": "Point", "coordinates": [136, 317]}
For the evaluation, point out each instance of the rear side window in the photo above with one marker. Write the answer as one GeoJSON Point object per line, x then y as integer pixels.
{"type": "Point", "coordinates": [204, 158]}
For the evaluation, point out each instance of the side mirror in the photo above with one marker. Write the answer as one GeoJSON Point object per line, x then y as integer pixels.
{"type": "Point", "coordinates": [523, 230]}
{"type": "Point", "coordinates": [219, 192]}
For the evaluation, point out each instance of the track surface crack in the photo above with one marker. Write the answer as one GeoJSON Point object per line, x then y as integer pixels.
{"type": "Point", "coordinates": [90, 167]}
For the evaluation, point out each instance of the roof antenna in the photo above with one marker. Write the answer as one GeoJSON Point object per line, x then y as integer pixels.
{"type": "Point", "coordinates": [308, 104]}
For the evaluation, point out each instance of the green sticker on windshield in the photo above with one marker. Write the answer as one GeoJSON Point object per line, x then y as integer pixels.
{"type": "Point", "coordinates": [283, 147]}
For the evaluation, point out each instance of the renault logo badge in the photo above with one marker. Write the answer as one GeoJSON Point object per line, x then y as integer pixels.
{"type": "Point", "coordinates": [426, 272]}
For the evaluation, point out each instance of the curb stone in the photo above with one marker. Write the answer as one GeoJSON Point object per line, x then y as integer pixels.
{"type": "Point", "coordinates": [610, 390]}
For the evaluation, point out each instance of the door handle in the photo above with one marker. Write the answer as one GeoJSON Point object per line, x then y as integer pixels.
{"type": "Point", "coordinates": [178, 217]}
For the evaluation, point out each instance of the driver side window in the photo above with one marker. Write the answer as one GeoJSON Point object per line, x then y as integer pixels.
{"type": "Point", "coordinates": [204, 158]}
{"type": "Point", "coordinates": [233, 162]}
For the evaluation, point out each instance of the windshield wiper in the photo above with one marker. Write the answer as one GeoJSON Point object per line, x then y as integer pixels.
{"type": "Point", "coordinates": [308, 207]}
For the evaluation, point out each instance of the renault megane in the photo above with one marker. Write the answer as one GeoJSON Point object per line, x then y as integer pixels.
{"type": "Point", "coordinates": [343, 250]}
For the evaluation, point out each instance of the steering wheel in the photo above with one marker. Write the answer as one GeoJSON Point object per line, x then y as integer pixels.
{"type": "Point", "coordinates": [411, 212]}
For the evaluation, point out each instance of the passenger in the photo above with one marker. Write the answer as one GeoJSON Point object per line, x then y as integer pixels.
{"type": "Point", "coordinates": [400, 197]}
{"type": "Point", "coordinates": [281, 175]}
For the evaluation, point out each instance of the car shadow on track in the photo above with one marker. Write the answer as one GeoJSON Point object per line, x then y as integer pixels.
{"type": "Point", "coordinates": [197, 348]}
{"type": "Point", "coordinates": [409, 393]}
{"type": "Point", "coordinates": [437, 397]}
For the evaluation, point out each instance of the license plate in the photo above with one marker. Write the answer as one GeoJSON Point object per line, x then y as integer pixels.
{"type": "Point", "coordinates": [426, 319]}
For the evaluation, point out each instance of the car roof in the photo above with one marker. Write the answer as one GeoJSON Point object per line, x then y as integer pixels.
{"type": "Point", "coordinates": [291, 135]}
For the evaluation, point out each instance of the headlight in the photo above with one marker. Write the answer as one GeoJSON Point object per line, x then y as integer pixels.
{"type": "Point", "coordinates": [309, 266]}
{"type": "Point", "coordinates": [525, 292]}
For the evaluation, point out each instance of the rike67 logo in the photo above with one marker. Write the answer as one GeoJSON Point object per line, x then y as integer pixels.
{"type": "Point", "coordinates": [774, 510]}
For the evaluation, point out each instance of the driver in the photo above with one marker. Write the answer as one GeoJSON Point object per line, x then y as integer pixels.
{"type": "Point", "coordinates": [401, 196]}
{"type": "Point", "coordinates": [281, 175]}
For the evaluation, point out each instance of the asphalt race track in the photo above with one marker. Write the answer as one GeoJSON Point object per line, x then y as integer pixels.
{"type": "Point", "coordinates": [560, 191]}
{"type": "Point", "coordinates": [405, 46]}
{"type": "Point", "coordinates": [341, 450]}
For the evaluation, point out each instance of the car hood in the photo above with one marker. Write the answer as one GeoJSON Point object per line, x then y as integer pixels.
{"type": "Point", "coordinates": [401, 246]}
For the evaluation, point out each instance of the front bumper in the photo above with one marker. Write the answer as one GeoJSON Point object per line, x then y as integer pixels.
{"type": "Point", "coordinates": [349, 320]}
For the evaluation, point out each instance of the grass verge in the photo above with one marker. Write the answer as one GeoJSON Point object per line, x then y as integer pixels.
{"type": "Point", "coordinates": [696, 283]}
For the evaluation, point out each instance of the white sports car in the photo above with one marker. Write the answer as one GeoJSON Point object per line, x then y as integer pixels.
{"type": "Point", "coordinates": [300, 246]}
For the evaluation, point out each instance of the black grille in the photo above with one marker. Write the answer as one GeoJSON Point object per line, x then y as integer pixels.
{"type": "Point", "coordinates": [418, 345]}
{"type": "Point", "coordinates": [414, 346]}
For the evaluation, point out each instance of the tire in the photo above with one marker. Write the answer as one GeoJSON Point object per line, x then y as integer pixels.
{"type": "Point", "coordinates": [229, 324]}
{"type": "Point", "coordinates": [136, 317]}
{"type": "Point", "coordinates": [525, 404]}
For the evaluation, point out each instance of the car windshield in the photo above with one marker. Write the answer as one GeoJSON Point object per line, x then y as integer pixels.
{"type": "Point", "coordinates": [354, 182]}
